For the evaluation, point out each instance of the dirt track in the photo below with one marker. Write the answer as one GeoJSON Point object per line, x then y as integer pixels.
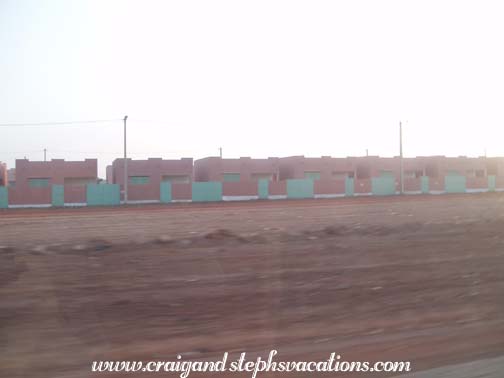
{"type": "Point", "coordinates": [417, 279]}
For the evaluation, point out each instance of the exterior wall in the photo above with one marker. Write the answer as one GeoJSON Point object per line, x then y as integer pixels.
{"type": "Point", "coordinates": [240, 189]}
{"type": "Point", "coordinates": [110, 174]}
{"type": "Point", "coordinates": [499, 182]}
{"type": "Point", "coordinates": [153, 168]}
{"type": "Point", "coordinates": [295, 167]}
{"type": "Point", "coordinates": [436, 168]}
{"type": "Point", "coordinates": [3, 174]}
{"type": "Point", "coordinates": [214, 168]}
{"type": "Point", "coordinates": [57, 171]}
{"type": "Point", "coordinates": [477, 183]}
{"type": "Point", "coordinates": [11, 177]}
{"type": "Point", "coordinates": [29, 196]}
{"type": "Point", "coordinates": [246, 178]}
{"type": "Point", "coordinates": [328, 187]}
{"type": "Point", "coordinates": [412, 184]}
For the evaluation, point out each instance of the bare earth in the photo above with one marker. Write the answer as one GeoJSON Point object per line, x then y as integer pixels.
{"type": "Point", "coordinates": [417, 279]}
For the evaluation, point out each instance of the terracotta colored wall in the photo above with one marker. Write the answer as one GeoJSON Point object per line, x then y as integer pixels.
{"type": "Point", "coordinates": [411, 184]}
{"type": "Point", "coordinates": [110, 174]}
{"type": "Point", "coordinates": [477, 183]}
{"type": "Point", "coordinates": [499, 182]}
{"type": "Point", "coordinates": [329, 186]}
{"type": "Point", "coordinates": [155, 169]}
{"type": "Point", "coordinates": [294, 167]}
{"type": "Point", "coordinates": [29, 196]}
{"type": "Point", "coordinates": [241, 188]}
{"type": "Point", "coordinates": [3, 174]}
{"type": "Point", "coordinates": [144, 192]}
{"type": "Point", "coordinates": [213, 168]}
{"type": "Point", "coordinates": [56, 171]}
{"type": "Point", "coordinates": [11, 175]}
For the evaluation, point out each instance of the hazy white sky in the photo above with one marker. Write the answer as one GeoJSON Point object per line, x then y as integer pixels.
{"type": "Point", "coordinates": [259, 78]}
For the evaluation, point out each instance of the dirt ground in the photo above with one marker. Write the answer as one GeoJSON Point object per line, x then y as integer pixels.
{"type": "Point", "coordinates": [417, 279]}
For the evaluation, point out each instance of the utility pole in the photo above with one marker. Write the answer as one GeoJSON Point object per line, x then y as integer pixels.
{"type": "Point", "coordinates": [401, 173]}
{"type": "Point", "coordinates": [367, 152]}
{"type": "Point", "coordinates": [45, 154]}
{"type": "Point", "coordinates": [125, 164]}
{"type": "Point", "coordinates": [220, 152]}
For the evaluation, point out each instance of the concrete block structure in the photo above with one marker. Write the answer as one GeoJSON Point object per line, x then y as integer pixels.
{"type": "Point", "coordinates": [40, 183]}
{"type": "Point", "coordinates": [233, 170]}
{"type": "Point", "coordinates": [372, 175]}
{"type": "Point", "coordinates": [3, 174]}
{"type": "Point", "coordinates": [146, 176]}
{"type": "Point", "coordinates": [240, 177]}
{"type": "Point", "coordinates": [11, 177]}
{"type": "Point", "coordinates": [62, 183]}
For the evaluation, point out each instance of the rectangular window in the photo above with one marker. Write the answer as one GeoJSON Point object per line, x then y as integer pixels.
{"type": "Point", "coordinates": [342, 175]}
{"type": "Point", "coordinates": [312, 175]}
{"type": "Point", "coordinates": [262, 176]}
{"type": "Point", "coordinates": [176, 179]}
{"type": "Point", "coordinates": [78, 181]}
{"type": "Point", "coordinates": [413, 174]}
{"type": "Point", "coordinates": [386, 173]}
{"type": "Point", "coordinates": [231, 177]}
{"type": "Point", "coordinates": [475, 173]}
{"type": "Point", "coordinates": [38, 182]}
{"type": "Point", "coordinates": [139, 180]}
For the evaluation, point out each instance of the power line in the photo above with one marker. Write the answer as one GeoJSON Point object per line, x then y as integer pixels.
{"type": "Point", "coordinates": [60, 123]}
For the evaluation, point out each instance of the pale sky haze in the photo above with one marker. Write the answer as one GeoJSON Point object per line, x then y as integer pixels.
{"type": "Point", "coordinates": [259, 78]}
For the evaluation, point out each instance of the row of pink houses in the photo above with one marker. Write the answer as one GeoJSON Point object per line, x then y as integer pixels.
{"type": "Point", "coordinates": [31, 181]}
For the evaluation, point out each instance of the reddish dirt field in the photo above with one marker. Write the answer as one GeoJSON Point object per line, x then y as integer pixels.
{"type": "Point", "coordinates": [415, 279]}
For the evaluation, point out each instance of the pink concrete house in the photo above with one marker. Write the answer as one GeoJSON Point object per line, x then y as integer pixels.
{"type": "Point", "coordinates": [145, 177]}
{"type": "Point", "coordinates": [239, 177]}
{"type": "Point", "coordinates": [34, 180]}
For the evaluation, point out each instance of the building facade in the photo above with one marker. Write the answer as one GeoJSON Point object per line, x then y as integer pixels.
{"type": "Point", "coordinates": [34, 180]}
{"type": "Point", "coordinates": [59, 182]}
{"type": "Point", "coordinates": [11, 177]}
{"type": "Point", "coordinates": [146, 176]}
{"type": "Point", "coordinates": [3, 174]}
{"type": "Point", "coordinates": [234, 170]}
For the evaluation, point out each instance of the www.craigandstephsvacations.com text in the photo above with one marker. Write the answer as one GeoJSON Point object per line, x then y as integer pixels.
{"type": "Point", "coordinates": [334, 364]}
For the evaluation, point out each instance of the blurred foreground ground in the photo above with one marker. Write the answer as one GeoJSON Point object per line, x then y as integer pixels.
{"type": "Point", "coordinates": [418, 278]}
